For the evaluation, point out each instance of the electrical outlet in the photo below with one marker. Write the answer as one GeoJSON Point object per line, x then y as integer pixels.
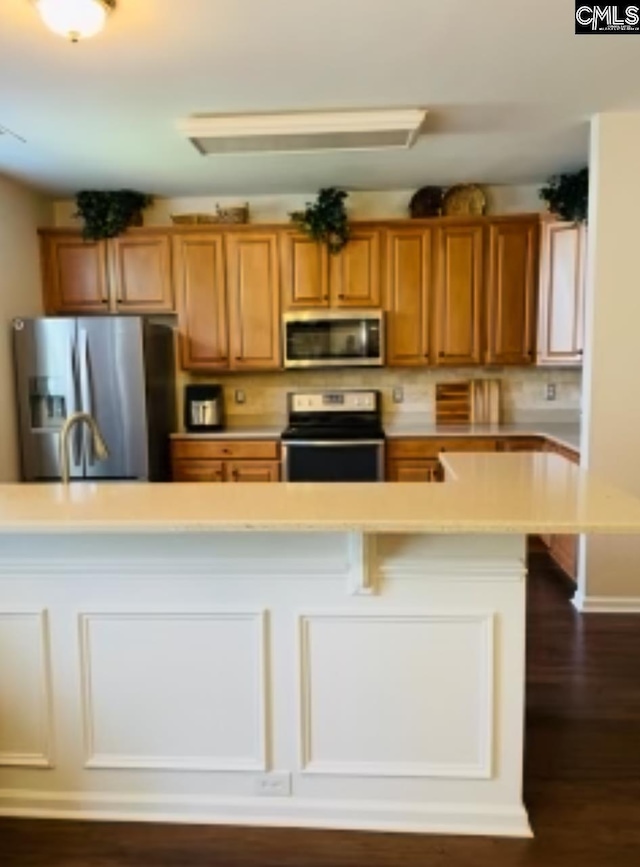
{"type": "Point", "coordinates": [398, 394]}
{"type": "Point", "coordinates": [275, 784]}
{"type": "Point", "coordinates": [551, 391]}
{"type": "Point", "coordinates": [240, 396]}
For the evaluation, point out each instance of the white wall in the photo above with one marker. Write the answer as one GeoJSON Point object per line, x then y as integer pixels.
{"type": "Point", "coordinates": [610, 574]}
{"type": "Point", "coordinates": [21, 212]}
{"type": "Point", "coordinates": [369, 205]}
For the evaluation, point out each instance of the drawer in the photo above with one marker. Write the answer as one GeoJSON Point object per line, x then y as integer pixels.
{"type": "Point", "coordinates": [431, 447]}
{"type": "Point", "coordinates": [522, 444]}
{"type": "Point", "coordinates": [234, 449]}
{"type": "Point", "coordinates": [198, 471]}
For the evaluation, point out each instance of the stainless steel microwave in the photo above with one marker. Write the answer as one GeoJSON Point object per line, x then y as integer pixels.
{"type": "Point", "coordinates": [334, 338]}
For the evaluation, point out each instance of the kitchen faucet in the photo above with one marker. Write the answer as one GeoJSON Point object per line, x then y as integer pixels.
{"type": "Point", "coordinates": [99, 445]}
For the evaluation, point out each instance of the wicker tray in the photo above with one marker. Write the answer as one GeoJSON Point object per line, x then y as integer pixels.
{"type": "Point", "coordinates": [235, 215]}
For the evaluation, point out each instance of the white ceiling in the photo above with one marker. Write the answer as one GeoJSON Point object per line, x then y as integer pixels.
{"type": "Point", "coordinates": [509, 87]}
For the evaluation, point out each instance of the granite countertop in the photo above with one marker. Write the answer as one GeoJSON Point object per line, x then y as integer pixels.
{"type": "Point", "coordinates": [566, 434]}
{"type": "Point", "coordinates": [492, 493]}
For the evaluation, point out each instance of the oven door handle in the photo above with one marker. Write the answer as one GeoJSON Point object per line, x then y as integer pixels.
{"type": "Point", "coordinates": [323, 444]}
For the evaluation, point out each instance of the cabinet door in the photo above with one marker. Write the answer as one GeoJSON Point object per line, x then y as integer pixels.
{"type": "Point", "coordinates": [141, 274]}
{"type": "Point", "coordinates": [408, 296]}
{"type": "Point", "coordinates": [511, 292]}
{"type": "Point", "coordinates": [355, 271]}
{"type": "Point", "coordinates": [198, 471]}
{"type": "Point", "coordinates": [414, 471]}
{"type": "Point", "coordinates": [254, 300]}
{"type": "Point", "coordinates": [74, 274]}
{"type": "Point", "coordinates": [305, 272]}
{"type": "Point", "coordinates": [562, 286]}
{"type": "Point", "coordinates": [199, 275]}
{"type": "Point", "coordinates": [253, 471]}
{"type": "Point", "coordinates": [458, 296]}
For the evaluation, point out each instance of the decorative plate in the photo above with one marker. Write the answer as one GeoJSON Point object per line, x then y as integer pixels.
{"type": "Point", "coordinates": [427, 202]}
{"type": "Point", "coordinates": [464, 200]}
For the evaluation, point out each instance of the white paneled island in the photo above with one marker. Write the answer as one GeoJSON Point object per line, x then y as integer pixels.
{"type": "Point", "coordinates": [338, 656]}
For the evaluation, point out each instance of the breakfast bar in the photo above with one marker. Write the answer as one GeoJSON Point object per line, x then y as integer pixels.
{"type": "Point", "coordinates": [294, 654]}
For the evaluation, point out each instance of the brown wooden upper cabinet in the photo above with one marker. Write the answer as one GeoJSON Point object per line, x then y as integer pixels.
{"type": "Point", "coordinates": [74, 274]}
{"type": "Point", "coordinates": [458, 295]}
{"type": "Point", "coordinates": [253, 293]}
{"type": "Point", "coordinates": [141, 273]}
{"type": "Point", "coordinates": [305, 271]}
{"type": "Point", "coordinates": [129, 274]}
{"type": "Point", "coordinates": [228, 300]}
{"type": "Point", "coordinates": [312, 277]}
{"type": "Point", "coordinates": [199, 274]}
{"type": "Point", "coordinates": [562, 288]}
{"type": "Point", "coordinates": [511, 292]}
{"type": "Point", "coordinates": [408, 282]}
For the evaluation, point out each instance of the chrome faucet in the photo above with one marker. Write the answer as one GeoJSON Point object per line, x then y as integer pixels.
{"type": "Point", "coordinates": [99, 445]}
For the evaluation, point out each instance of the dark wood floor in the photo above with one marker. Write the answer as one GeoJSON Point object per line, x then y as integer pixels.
{"type": "Point", "coordinates": [582, 777]}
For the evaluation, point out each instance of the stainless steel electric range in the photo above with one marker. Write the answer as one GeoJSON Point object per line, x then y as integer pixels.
{"type": "Point", "coordinates": [333, 436]}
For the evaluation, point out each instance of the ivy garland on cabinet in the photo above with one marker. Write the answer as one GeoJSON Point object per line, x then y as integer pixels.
{"type": "Point", "coordinates": [325, 220]}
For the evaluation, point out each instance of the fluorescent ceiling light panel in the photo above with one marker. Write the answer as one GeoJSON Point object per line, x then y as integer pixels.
{"type": "Point", "coordinates": [303, 132]}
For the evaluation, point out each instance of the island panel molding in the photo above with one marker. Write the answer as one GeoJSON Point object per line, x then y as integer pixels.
{"type": "Point", "coordinates": [158, 659]}
{"type": "Point", "coordinates": [26, 713]}
{"type": "Point", "coordinates": [212, 693]}
{"type": "Point", "coordinates": [391, 669]}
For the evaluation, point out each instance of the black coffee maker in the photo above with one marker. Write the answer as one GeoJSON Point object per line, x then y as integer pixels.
{"type": "Point", "coordinates": [203, 408]}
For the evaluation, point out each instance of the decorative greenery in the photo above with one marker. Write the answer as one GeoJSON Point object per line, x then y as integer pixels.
{"type": "Point", "coordinates": [107, 214]}
{"type": "Point", "coordinates": [568, 195]}
{"type": "Point", "coordinates": [326, 219]}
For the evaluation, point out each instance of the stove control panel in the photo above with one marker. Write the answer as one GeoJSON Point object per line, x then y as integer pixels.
{"type": "Point", "coordinates": [333, 401]}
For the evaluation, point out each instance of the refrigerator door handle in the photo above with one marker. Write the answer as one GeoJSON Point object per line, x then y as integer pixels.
{"type": "Point", "coordinates": [86, 397]}
{"type": "Point", "coordinates": [77, 435]}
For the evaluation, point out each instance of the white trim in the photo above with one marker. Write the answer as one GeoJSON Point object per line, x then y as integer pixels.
{"type": "Point", "coordinates": [44, 758]}
{"type": "Point", "coordinates": [483, 770]}
{"type": "Point", "coordinates": [404, 817]}
{"type": "Point", "coordinates": [433, 569]}
{"type": "Point", "coordinates": [95, 760]}
{"type": "Point", "coordinates": [209, 568]}
{"type": "Point", "coordinates": [363, 574]}
{"type": "Point", "coordinates": [606, 604]}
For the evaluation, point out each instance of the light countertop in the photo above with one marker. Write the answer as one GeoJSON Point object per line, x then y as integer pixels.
{"type": "Point", "coordinates": [566, 434]}
{"type": "Point", "coordinates": [489, 493]}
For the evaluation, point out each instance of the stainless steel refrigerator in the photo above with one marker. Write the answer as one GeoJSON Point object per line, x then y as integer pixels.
{"type": "Point", "coordinates": [118, 369]}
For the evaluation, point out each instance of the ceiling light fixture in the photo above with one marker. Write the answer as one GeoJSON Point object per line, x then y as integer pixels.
{"type": "Point", "coordinates": [303, 132]}
{"type": "Point", "coordinates": [75, 19]}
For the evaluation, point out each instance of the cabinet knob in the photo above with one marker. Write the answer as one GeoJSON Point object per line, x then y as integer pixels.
{"type": "Point", "coordinates": [234, 475]}
{"type": "Point", "coordinates": [238, 358]}
{"type": "Point", "coordinates": [581, 352]}
{"type": "Point", "coordinates": [341, 296]}
{"type": "Point", "coordinates": [441, 354]}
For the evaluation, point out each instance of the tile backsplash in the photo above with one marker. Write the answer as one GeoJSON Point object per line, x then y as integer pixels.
{"type": "Point", "coordinates": [523, 391]}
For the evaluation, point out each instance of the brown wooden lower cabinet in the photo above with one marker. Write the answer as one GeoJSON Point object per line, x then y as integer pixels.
{"type": "Point", "coordinates": [225, 460]}
{"type": "Point", "coordinates": [562, 547]}
{"type": "Point", "coordinates": [428, 470]}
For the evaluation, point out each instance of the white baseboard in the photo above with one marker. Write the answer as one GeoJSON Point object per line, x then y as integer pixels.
{"type": "Point", "coordinates": [410, 818]}
{"type": "Point", "coordinates": [606, 604]}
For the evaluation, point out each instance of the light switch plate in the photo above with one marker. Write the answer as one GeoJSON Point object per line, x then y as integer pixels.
{"type": "Point", "coordinates": [240, 396]}
{"type": "Point", "coordinates": [398, 394]}
{"type": "Point", "coordinates": [551, 391]}
{"type": "Point", "coordinates": [274, 784]}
